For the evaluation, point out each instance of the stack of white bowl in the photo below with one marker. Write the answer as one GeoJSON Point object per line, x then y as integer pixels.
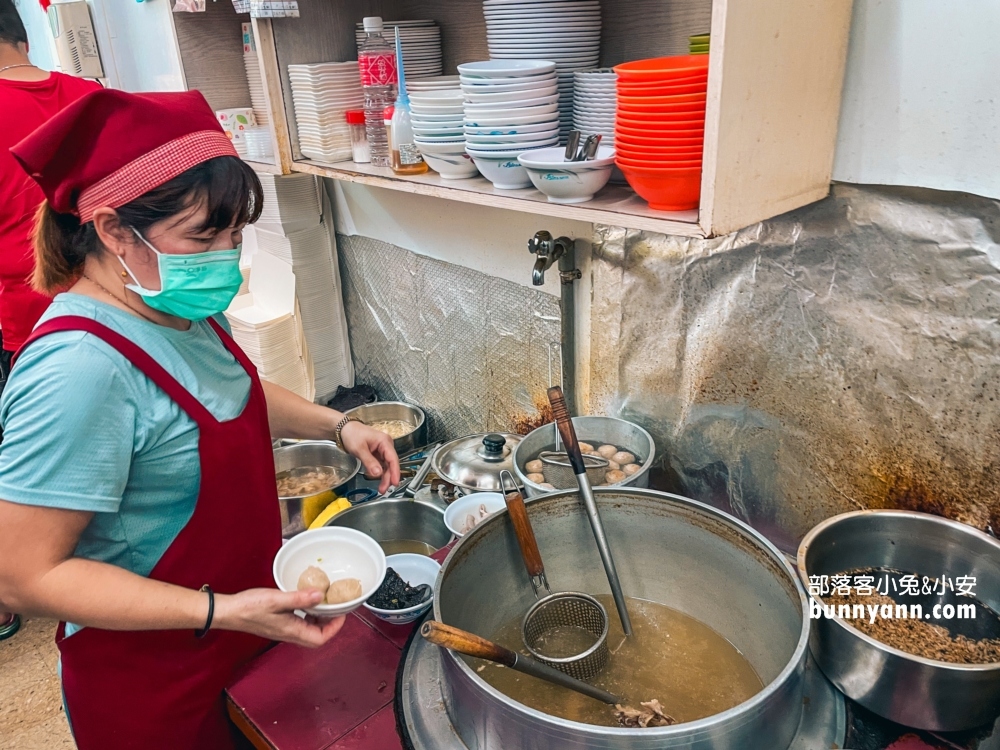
{"type": "Point", "coordinates": [434, 83]}
{"type": "Point", "coordinates": [421, 42]}
{"type": "Point", "coordinates": [511, 106]}
{"type": "Point", "coordinates": [321, 94]}
{"type": "Point", "coordinates": [437, 117]}
{"type": "Point", "coordinates": [568, 32]}
{"type": "Point", "coordinates": [595, 101]}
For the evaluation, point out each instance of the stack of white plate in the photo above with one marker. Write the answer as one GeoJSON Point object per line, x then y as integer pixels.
{"type": "Point", "coordinates": [434, 83]}
{"type": "Point", "coordinates": [568, 32]}
{"type": "Point", "coordinates": [317, 288]}
{"type": "Point", "coordinates": [291, 203]}
{"type": "Point", "coordinates": [321, 94]}
{"type": "Point", "coordinates": [438, 118]}
{"type": "Point", "coordinates": [421, 41]}
{"type": "Point", "coordinates": [277, 349]}
{"type": "Point", "coordinates": [595, 101]}
{"type": "Point", "coordinates": [511, 106]}
{"type": "Point", "coordinates": [256, 82]}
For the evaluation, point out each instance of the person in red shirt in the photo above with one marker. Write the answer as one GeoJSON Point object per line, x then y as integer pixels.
{"type": "Point", "coordinates": [29, 96]}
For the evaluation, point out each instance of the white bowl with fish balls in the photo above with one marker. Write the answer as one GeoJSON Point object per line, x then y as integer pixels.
{"type": "Point", "coordinates": [467, 512]}
{"type": "Point", "coordinates": [415, 570]}
{"type": "Point", "coordinates": [405, 423]}
{"type": "Point", "coordinates": [335, 557]}
{"type": "Point", "coordinates": [628, 448]}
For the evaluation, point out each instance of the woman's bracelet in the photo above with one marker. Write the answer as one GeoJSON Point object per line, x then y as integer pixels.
{"type": "Point", "coordinates": [340, 428]}
{"type": "Point", "coordinates": [211, 611]}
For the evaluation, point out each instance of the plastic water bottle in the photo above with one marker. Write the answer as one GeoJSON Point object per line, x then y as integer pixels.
{"type": "Point", "coordinates": [377, 62]}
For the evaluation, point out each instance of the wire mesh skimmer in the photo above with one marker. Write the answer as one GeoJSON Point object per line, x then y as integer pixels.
{"type": "Point", "coordinates": [556, 616]}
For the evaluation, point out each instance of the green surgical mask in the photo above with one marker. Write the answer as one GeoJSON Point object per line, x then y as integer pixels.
{"type": "Point", "coordinates": [194, 286]}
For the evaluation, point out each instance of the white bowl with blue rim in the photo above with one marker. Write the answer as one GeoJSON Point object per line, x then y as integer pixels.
{"type": "Point", "coordinates": [486, 140]}
{"type": "Point", "coordinates": [414, 570]}
{"type": "Point", "coordinates": [568, 181]}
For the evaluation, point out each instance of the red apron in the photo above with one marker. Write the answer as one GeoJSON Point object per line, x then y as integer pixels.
{"type": "Point", "coordinates": [163, 689]}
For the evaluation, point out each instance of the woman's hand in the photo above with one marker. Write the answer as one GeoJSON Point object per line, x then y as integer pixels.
{"type": "Point", "coordinates": [375, 450]}
{"type": "Point", "coordinates": [269, 614]}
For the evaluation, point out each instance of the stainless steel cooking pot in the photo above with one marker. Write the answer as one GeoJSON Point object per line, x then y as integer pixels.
{"type": "Point", "coordinates": [593, 430]}
{"type": "Point", "coordinates": [312, 453]}
{"type": "Point", "coordinates": [393, 410]}
{"type": "Point", "coordinates": [669, 549]}
{"type": "Point", "coordinates": [397, 519]}
{"type": "Point", "coordinates": [474, 463]}
{"type": "Point", "coordinates": [907, 689]}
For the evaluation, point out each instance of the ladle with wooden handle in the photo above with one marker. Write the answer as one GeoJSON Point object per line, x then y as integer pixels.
{"type": "Point", "coordinates": [568, 433]}
{"type": "Point", "coordinates": [466, 643]}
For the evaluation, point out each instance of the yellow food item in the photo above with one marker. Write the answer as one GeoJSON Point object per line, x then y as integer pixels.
{"type": "Point", "coordinates": [343, 590]}
{"type": "Point", "coordinates": [313, 578]}
{"type": "Point", "coordinates": [313, 505]}
{"type": "Point", "coordinates": [338, 505]}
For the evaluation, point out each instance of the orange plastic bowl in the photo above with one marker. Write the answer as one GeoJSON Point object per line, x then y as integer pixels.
{"type": "Point", "coordinates": [664, 124]}
{"type": "Point", "coordinates": [649, 163]}
{"type": "Point", "coordinates": [662, 68]}
{"type": "Point", "coordinates": [661, 101]}
{"type": "Point", "coordinates": [663, 114]}
{"type": "Point", "coordinates": [666, 189]}
{"type": "Point", "coordinates": [699, 76]}
{"type": "Point", "coordinates": [654, 155]}
{"type": "Point", "coordinates": [663, 89]}
{"type": "Point", "coordinates": [627, 139]}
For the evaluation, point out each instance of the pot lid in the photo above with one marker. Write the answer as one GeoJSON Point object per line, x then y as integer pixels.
{"type": "Point", "coordinates": [475, 462]}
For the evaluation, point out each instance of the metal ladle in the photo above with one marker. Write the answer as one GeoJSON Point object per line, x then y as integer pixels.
{"type": "Point", "coordinates": [452, 638]}
{"type": "Point", "coordinates": [568, 432]}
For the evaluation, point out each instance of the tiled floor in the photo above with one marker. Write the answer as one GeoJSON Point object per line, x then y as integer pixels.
{"type": "Point", "coordinates": [31, 713]}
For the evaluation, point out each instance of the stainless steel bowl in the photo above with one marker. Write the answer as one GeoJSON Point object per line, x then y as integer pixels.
{"type": "Point", "coordinates": [668, 549]}
{"type": "Point", "coordinates": [311, 453]}
{"type": "Point", "coordinates": [600, 430]}
{"type": "Point", "coordinates": [384, 410]}
{"type": "Point", "coordinates": [398, 520]}
{"type": "Point", "coordinates": [907, 689]}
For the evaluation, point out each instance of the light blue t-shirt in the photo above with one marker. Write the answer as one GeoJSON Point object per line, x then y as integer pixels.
{"type": "Point", "coordinates": [83, 429]}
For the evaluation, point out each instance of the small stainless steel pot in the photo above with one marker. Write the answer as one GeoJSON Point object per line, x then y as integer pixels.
{"type": "Point", "coordinates": [474, 463]}
{"type": "Point", "coordinates": [311, 453]}
{"type": "Point", "coordinates": [397, 519]}
{"type": "Point", "coordinates": [385, 410]}
{"type": "Point", "coordinates": [599, 430]}
{"type": "Point", "coordinates": [907, 689]}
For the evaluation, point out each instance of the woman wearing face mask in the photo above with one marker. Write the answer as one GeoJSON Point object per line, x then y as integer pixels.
{"type": "Point", "coordinates": [137, 495]}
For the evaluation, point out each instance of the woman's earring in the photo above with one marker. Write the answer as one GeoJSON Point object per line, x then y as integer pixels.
{"type": "Point", "coordinates": [124, 274]}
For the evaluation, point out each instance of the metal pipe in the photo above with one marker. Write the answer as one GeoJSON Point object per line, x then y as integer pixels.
{"type": "Point", "coordinates": [568, 275]}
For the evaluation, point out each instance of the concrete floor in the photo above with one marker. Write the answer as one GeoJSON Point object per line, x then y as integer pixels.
{"type": "Point", "coordinates": [31, 712]}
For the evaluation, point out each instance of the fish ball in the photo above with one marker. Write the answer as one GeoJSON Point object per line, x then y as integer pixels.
{"type": "Point", "coordinates": [631, 469]}
{"type": "Point", "coordinates": [623, 457]}
{"type": "Point", "coordinates": [612, 466]}
{"type": "Point", "coordinates": [547, 486]}
{"type": "Point", "coordinates": [534, 467]}
{"type": "Point", "coordinates": [586, 448]}
{"type": "Point", "coordinates": [536, 478]}
{"type": "Point", "coordinates": [614, 477]}
{"type": "Point", "coordinates": [343, 590]}
{"type": "Point", "coordinates": [313, 578]}
{"type": "Point", "coordinates": [607, 451]}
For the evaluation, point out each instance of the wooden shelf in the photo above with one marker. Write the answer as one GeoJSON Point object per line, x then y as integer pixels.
{"type": "Point", "coordinates": [615, 205]}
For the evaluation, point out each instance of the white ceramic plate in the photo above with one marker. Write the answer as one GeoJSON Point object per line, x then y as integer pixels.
{"type": "Point", "coordinates": [506, 68]}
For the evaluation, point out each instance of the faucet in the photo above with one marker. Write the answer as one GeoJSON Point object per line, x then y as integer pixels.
{"type": "Point", "coordinates": [546, 251]}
